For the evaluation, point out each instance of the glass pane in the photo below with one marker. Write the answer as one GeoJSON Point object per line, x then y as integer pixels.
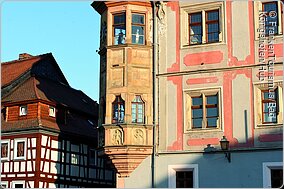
{"type": "Point", "coordinates": [265, 95]}
{"type": "Point", "coordinates": [195, 18]}
{"type": "Point", "coordinates": [269, 119]}
{"type": "Point", "coordinates": [119, 32]}
{"type": "Point", "coordinates": [213, 28]}
{"type": "Point", "coordinates": [211, 112]}
{"type": "Point", "coordinates": [4, 150]}
{"type": "Point", "coordinates": [212, 99]}
{"type": "Point", "coordinates": [213, 37]}
{"type": "Point", "coordinates": [196, 39]}
{"type": "Point", "coordinates": [195, 30]}
{"type": "Point", "coordinates": [196, 101]}
{"type": "Point", "coordinates": [276, 178]}
{"type": "Point", "coordinates": [119, 19]}
{"type": "Point", "coordinates": [197, 123]}
{"type": "Point", "coordinates": [137, 18]}
{"type": "Point", "coordinates": [20, 149]}
{"type": "Point", "coordinates": [138, 34]}
{"type": "Point", "coordinates": [212, 122]}
{"type": "Point", "coordinates": [197, 113]}
{"type": "Point", "coordinates": [212, 15]}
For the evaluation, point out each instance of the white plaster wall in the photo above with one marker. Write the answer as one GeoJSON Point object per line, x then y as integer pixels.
{"type": "Point", "coordinates": [241, 103]}
{"type": "Point", "coordinates": [54, 155]}
{"type": "Point", "coordinates": [240, 29]}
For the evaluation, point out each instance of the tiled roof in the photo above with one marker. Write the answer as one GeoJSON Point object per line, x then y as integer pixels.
{"type": "Point", "coordinates": [14, 69]}
{"type": "Point", "coordinates": [65, 95]}
{"type": "Point", "coordinates": [24, 91]}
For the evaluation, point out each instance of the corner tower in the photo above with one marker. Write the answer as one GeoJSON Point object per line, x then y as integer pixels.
{"type": "Point", "coordinates": [125, 83]}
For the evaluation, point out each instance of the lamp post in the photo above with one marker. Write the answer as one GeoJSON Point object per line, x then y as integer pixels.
{"type": "Point", "coordinates": [224, 143]}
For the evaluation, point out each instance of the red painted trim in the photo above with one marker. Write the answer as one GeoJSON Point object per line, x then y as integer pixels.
{"type": "Point", "coordinates": [202, 141]}
{"type": "Point", "coordinates": [276, 73]}
{"type": "Point", "coordinates": [212, 57]}
{"type": "Point", "coordinates": [178, 144]}
{"type": "Point", "coordinates": [270, 137]}
{"type": "Point", "coordinates": [174, 5]}
{"type": "Point", "coordinates": [202, 80]}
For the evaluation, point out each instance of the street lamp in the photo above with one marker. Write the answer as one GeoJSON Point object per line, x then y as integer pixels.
{"type": "Point", "coordinates": [224, 143]}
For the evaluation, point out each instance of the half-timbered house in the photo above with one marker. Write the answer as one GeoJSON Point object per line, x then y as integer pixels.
{"type": "Point", "coordinates": [49, 129]}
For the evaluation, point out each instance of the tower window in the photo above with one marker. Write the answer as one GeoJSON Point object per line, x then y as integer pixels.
{"type": "Point", "coordinates": [119, 30]}
{"type": "Point", "coordinates": [118, 107]}
{"type": "Point", "coordinates": [138, 29]}
{"type": "Point", "coordinates": [137, 109]}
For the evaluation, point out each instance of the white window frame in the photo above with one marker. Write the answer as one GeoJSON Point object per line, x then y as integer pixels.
{"type": "Point", "coordinates": [267, 167]}
{"type": "Point", "coordinates": [257, 9]}
{"type": "Point", "coordinates": [52, 113]}
{"type": "Point", "coordinates": [258, 87]}
{"type": "Point", "coordinates": [8, 153]}
{"type": "Point", "coordinates": [21, 113]}
{"type": "Point", "coordinates": [18, 182]}
{"type": "Point", "coordinates": [187, 109]}
{"type": "Point", "coordinates": [16, 141]}
{"type": "Point", "coordinates": [5, 183]}
{"type": "Point", "coordinates": [201, 7]}
{"type": "Point", "coordinates": [172, 169]}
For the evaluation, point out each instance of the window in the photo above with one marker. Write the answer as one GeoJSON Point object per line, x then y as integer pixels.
{"type": "Point", "coordinates": [119, 29]}
{"type": "Point", "coordinates": [268, 98]}
{"type": "Point", "coordinates": [23, 110]}
{"type": "Point", "coordinates": [5, 149]}
{"type": "Point", "coordinates": [212, 26]}
{"type": "Point", "coordinates": [195, 28]}
{"type": "Point", "coordinates": [92, 156]}
{"type": "Point", "coordinates": [271, 22]}
{"type": "Point", "coordinates": [184, 179]}
{"type": "Point", "coordinates": [4, 184]}
{"type": "Point", "coordinates": [183, 176]}
{"type": "Point", "coordinates": [20, 149]}
{"type": "Point", "coordinates": [269, 106]}
{"type": "Point", "coordinates": [18, 184]}
{"type": "Point", "coordinates": [51, 111]}
{"type": "Point", "coordinates": [196, 22]}
{"type": "Point", "coordinates": [202, 23]}
{"type": "Point", "coordinates": [272, 174]}
{"type": "Point", "coordinates": [118, 110]}
{"type": "Point", "coordinates": [268, 18]}
{"type": "Point", "coordinates": [204, 111]}
{"type": "Point", "coordinates": [74, 158]}
{"type": "Point", "coordinates": [138, 29]}
{"type": "Point", "coordinates": [137, 107]}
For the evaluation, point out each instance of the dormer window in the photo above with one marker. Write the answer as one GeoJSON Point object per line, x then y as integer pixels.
{"type": "Point", "coordinates": [23, 110]}
{"type": "Point", "coordinates": [51, 111]}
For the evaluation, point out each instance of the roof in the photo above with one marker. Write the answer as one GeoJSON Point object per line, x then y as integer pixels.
{"type": "Point", "coordinates": [14, 69]}
{"type": "Point", "coordinates": [39, 84]}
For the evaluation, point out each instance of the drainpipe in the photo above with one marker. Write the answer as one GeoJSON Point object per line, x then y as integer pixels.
{"type": "Point", "coordinates": [154, 91]}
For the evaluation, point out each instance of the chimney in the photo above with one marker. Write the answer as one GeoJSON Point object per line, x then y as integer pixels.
{"type": "Point", "coordinates": [24, 56]}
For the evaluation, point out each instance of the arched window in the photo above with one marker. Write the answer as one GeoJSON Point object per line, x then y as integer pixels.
{"type": "Point", "coordinates": [118, 110]}
{"type": "Point", "coordinates": [137, 107]}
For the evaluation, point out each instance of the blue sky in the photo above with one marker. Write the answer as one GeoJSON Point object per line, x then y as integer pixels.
{"type": "Point", "coordinates": [67, 29]}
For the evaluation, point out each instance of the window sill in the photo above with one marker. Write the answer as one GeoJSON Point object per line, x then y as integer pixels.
{"type": "Point", "coordinates": [203, 45]}
{"type": "Point", "coordinates": [276, 36]}
{"type": "Point", "coordinates": [4, 159]}
{"type": "Point", "coordinates": [203, 130]}
{"type": "Point", "coordinates": [269, 125]}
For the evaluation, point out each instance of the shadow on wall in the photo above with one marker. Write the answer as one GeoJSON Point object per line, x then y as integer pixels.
{"type": "Point", "coordinates": [75, 163]}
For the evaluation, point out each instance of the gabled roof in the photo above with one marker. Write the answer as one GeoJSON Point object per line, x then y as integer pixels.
{"type": "Point", "coordinates": [13, 70]}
